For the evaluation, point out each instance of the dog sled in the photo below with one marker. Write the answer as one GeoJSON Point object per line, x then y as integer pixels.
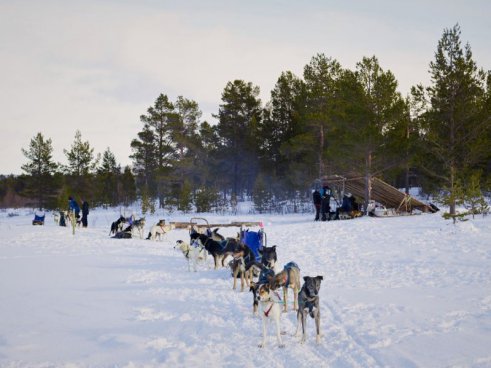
{"type": "Point", "coordinates": [254, 239]}
{"type": "Point", "coordinates": [39, 218]}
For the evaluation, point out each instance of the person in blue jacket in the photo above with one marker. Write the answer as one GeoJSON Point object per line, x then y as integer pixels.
{"type": "Point", "coordinates": [73, 206]}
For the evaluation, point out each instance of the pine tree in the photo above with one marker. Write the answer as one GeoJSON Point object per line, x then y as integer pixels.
{"type": "Point", "coordinates": [320, 77]}
{"type": "Point", "coordinates": [81, 159]}
{"type": "Point", "coordinates": [456, 126]}
{"type": "Point", "coordinates": [473, 196]}
{"type": "Point", "coordinates": [281, 123]}
{"type": "Point", "coordinates": [154, 149]}
{"type": "Point", "coordinates": [127, 187]}
{"type": "Point", "coordinates": [369, 112]}
{"type": "Point", "coordinates": [108, 174]}
{"type": "Point", "coordinates": [40, 168]}
{"type": "Point", "coordinates": [81, 165]}
{"type": "Point", "coordinates": [262, 197]}
{"type": "Point", "coordinates": [205, 199]}
{"type": "Point", "coordinates": [185, 197]}
{"type": "Point", "coordinates": [239, 116]}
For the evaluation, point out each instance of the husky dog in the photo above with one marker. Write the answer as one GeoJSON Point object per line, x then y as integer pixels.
{"type": "Point", "coordinates": [288, 278]}
{"type": "Point", "coordinates": [193, 254]}
{"type": "Point", "coordinates": [308, 304]}
{"type": "Point", "coordinates": [218, 249]}
{"type": "Point", "coordinates": [126, 233]}
{"type": "Point", "coordinates": [215, 235]}
{"type": "Point", "coordinates": [56, 217]}
{"type": "Point", "coordinates": [268, 256]}
{"type": "Point", "coordinates": [139, 225]}
{"type": "Point", "coordinates": [159, 230]}
{"type": "Point", "coordinates": [117, 225]}
{"type": "Point", "coordinates": [245, 263]}
{"type": "Point", "coordinates": [262, 280]}
{"type": "Point", "coordinates": [269, 301]}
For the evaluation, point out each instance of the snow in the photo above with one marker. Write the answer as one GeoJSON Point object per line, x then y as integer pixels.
{"type": "Point", "coordinates": [410, 291]}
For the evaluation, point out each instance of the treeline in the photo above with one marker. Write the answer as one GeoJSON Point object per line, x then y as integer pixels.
{"type": "Point", "coordinates": [331, 120]}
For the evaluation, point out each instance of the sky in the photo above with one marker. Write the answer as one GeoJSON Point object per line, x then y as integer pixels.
{"type": "Point", "coordinates": [96, 66]}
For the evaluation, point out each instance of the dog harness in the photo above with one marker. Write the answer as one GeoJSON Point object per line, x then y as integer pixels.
{"type": "Point", "coordinates": [287, 267]}
{"type": "Point", "coordinates": [266, 313]}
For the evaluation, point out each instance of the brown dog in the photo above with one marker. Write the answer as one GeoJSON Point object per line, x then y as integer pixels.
{"type": "Point", "coordinates": [245, 263]}
{"type": "Point", "coordinates": [288, 278]}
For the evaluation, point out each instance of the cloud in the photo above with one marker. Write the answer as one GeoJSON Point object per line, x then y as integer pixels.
{"type": "Point", "coordinates": [97, 66]}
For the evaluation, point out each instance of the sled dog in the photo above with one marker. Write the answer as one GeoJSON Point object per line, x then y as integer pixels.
{"type": "Point", "coordinates": [193, 254]}
{"type": "Point", "coordinates": [308, 304]}
{"type": "Point", "coordinates": [269, 302]}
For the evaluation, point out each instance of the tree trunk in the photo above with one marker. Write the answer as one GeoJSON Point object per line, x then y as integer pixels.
{"type": "Point", "coordinates": [368, 180]}
{"type": "Point", "coordinates": [321, 150]}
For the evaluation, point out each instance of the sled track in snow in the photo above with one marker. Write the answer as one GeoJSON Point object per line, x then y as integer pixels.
{"type": "Point", "coordinates": [354, 344]}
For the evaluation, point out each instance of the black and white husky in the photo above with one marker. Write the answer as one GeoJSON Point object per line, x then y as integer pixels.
{"type": "Point", "coordinates": [117, 225]}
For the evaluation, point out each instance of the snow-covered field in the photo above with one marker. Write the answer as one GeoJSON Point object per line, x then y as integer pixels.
{"type": "Point", "coordinates": [397, 292]}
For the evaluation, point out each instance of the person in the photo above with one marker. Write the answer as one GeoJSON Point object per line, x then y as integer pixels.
{"type": "Point", "coordinates": [346, 206]}
{"type": "Point", "coordinates": [85, 212]}
{"type": "Point", "coordinates": [73, 206]}
{"type": "Point", "coordinates": [325, 203]}
{"type": "Point", "coordinates": [316, 196]}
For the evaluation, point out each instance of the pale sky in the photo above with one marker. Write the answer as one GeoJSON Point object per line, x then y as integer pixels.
{"type": "Point", "coordinates": [96, 66]}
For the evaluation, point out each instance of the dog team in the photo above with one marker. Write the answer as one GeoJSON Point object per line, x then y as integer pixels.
{"type": "Point", "coordinates": [265, 289]}
{"type": "Point", "coordinates": [126, 228]}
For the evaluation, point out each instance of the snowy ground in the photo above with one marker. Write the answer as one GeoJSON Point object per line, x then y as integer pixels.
{"type": "Point", "coordinates": [397, 292]}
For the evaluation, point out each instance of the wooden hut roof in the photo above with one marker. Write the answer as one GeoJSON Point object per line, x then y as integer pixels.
{"type": "Point", "coordinates": [381, 192]}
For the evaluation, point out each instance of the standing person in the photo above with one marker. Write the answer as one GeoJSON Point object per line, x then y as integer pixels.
{"type": "Point", "coordinates": [316, 196]}
{"type": "Point", "coordinates": [85, 212]}
{"type": "Point", "coordinates": [73, 206]}
{"type": "Point", "coordinates": [325, 202]}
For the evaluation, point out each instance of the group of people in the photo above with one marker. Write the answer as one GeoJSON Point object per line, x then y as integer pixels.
{"type": "Point", "coordinates": [73, 206]}
{"type": "Point", "coordinates": [322, 204]}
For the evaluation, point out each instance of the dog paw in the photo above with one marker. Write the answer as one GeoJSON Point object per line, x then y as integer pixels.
{"type": "Point", "coordinates": [283, 332]}
{"type": "Point", "coordinates": [281, 346]}
{"type": "Point", "coordinates": [260, 346]}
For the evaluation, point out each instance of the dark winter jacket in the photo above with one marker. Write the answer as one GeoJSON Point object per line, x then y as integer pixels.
{"type": "Point", "coordinates": [85, 208]}
{"type": "Point", "coordinates": [317, 197]}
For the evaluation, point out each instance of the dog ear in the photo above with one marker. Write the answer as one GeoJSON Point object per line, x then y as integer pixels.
{"type": "Point", "coordinates": [274, 247]}
{"type": "Point", "coordinates": [320, 277]}
{"type": "Point", "coordinates": [305, 278]}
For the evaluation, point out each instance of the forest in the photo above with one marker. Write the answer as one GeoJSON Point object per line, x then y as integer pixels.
{"type": "Point", "coordinates": [331, 120]}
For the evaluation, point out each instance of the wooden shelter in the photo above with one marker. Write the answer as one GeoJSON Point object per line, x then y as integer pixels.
{"type": "Point", "coordinates": [380, 191]}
